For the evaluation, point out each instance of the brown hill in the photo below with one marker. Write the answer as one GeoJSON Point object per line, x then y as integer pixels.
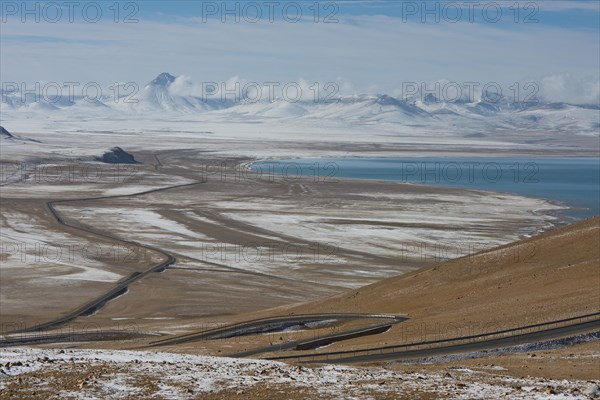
{"type": "Point", "coordinates": [547, 277]}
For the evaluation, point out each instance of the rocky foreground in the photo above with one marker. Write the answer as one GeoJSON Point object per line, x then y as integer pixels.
{"type": "Point", "coordinates": [106, 374]}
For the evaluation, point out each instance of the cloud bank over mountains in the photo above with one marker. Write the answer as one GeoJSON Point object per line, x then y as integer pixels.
{"type": "Point", "coordinates": [171, 99]}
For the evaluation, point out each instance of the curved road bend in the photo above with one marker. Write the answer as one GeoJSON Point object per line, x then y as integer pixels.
{"type": "Point", "coordinates": [318, 341]}
{"type": "Point", "coordinates": [383, 354]}
{"type": "Point", "coordinates": [272, 324]}
{"type": "Point", "coordinates": [121, 288]}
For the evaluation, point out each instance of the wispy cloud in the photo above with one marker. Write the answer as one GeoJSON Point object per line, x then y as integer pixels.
{"type": "Point", "coordinates": [563, 5]}
{"type": "Point", "coordinates": [375, 54]}
{"type": "Point", "coordinates": [570, 89]}
{"type": "Point", "coordinates": [27, 39]}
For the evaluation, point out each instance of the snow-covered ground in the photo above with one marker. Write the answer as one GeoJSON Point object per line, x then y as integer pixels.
{"type": "Point", "coordinates": [162, 118]}
{"type": "Point", "coordinates": [424, 219]}
{"type": "Point", "coordinates": [108, 374]}
{"type": "Point", "coordinates": [62, 257]}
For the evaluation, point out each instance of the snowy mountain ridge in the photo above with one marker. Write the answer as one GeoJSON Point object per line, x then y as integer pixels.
{"type": "Point", "coordinates": [163, 97]}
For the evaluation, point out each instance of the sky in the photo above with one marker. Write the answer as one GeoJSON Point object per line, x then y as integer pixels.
{"type": "Point", "coordinates": [364, 46]}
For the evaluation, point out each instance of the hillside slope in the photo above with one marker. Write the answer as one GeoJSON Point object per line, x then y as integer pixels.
{"type": "Point", "coordinates": [547, 277]}
{"type": "Point", "coordinates": [544, 278]}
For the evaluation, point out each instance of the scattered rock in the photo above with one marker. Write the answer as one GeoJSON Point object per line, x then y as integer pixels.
{"type": "Point", "coordinates": [550, 390]}
{"type": "Point", "coordinates": [592, 390]}
{"type": "Point", "coordinates": [117, 155]}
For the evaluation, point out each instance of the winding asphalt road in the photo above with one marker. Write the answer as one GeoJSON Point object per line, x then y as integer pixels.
{"type": "Point", "coordinates": [272, 324]}
{"type": "Point", "coordinates": [67, 337]}
{"type": "Point", "coordinates": [464, 344]}
{"type": "Point", "coordinates": [509, 337]}
{"type": "Point", "coordinates": [317, 341]}
{"type": "Point", "coordinates": [121, 288]}
{"type": "Point", "coordinates": [265, 325]}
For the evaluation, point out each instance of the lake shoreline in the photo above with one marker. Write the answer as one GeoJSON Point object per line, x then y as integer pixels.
{"type": "Point", "coordinates": [434, 171]}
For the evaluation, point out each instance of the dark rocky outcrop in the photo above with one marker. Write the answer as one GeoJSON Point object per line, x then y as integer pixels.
{"type": "Point", "coordinates": [5, 134]}
{"type": "Point", "coordinates": [117, 155]}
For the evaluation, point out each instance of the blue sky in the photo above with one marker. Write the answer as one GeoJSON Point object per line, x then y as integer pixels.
{"type": "Point", "coordinates": [374, 46]}
{"type": "Point", "coordinates": [578, 14]}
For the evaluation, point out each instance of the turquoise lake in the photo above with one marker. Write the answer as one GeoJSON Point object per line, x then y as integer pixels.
{"type": "Point", "coordinates": [574, 182]}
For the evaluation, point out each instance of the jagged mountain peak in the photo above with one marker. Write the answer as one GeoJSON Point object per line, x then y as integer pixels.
{"type": "Point", "coordinates": [386, 100]}
{"type": "Point", "coordinates": [163, 79]}
{"type": "Point", "coordinates": [430, 99]}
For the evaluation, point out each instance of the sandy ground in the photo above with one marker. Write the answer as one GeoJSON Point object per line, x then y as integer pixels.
{"type": "Point", "coordinates": [243, 242]}
{"type": "Point", "coordinates": [252, 246]}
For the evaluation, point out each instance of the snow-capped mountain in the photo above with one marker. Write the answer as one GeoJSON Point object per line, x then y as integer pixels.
{"type": "Point", "coordinates": [157, 95]}
{"type": "Point", "coordinates": [163, 97]}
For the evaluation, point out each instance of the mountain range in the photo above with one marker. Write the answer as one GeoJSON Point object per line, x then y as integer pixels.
{"type": "Point", "coordinates": [158, 97]}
